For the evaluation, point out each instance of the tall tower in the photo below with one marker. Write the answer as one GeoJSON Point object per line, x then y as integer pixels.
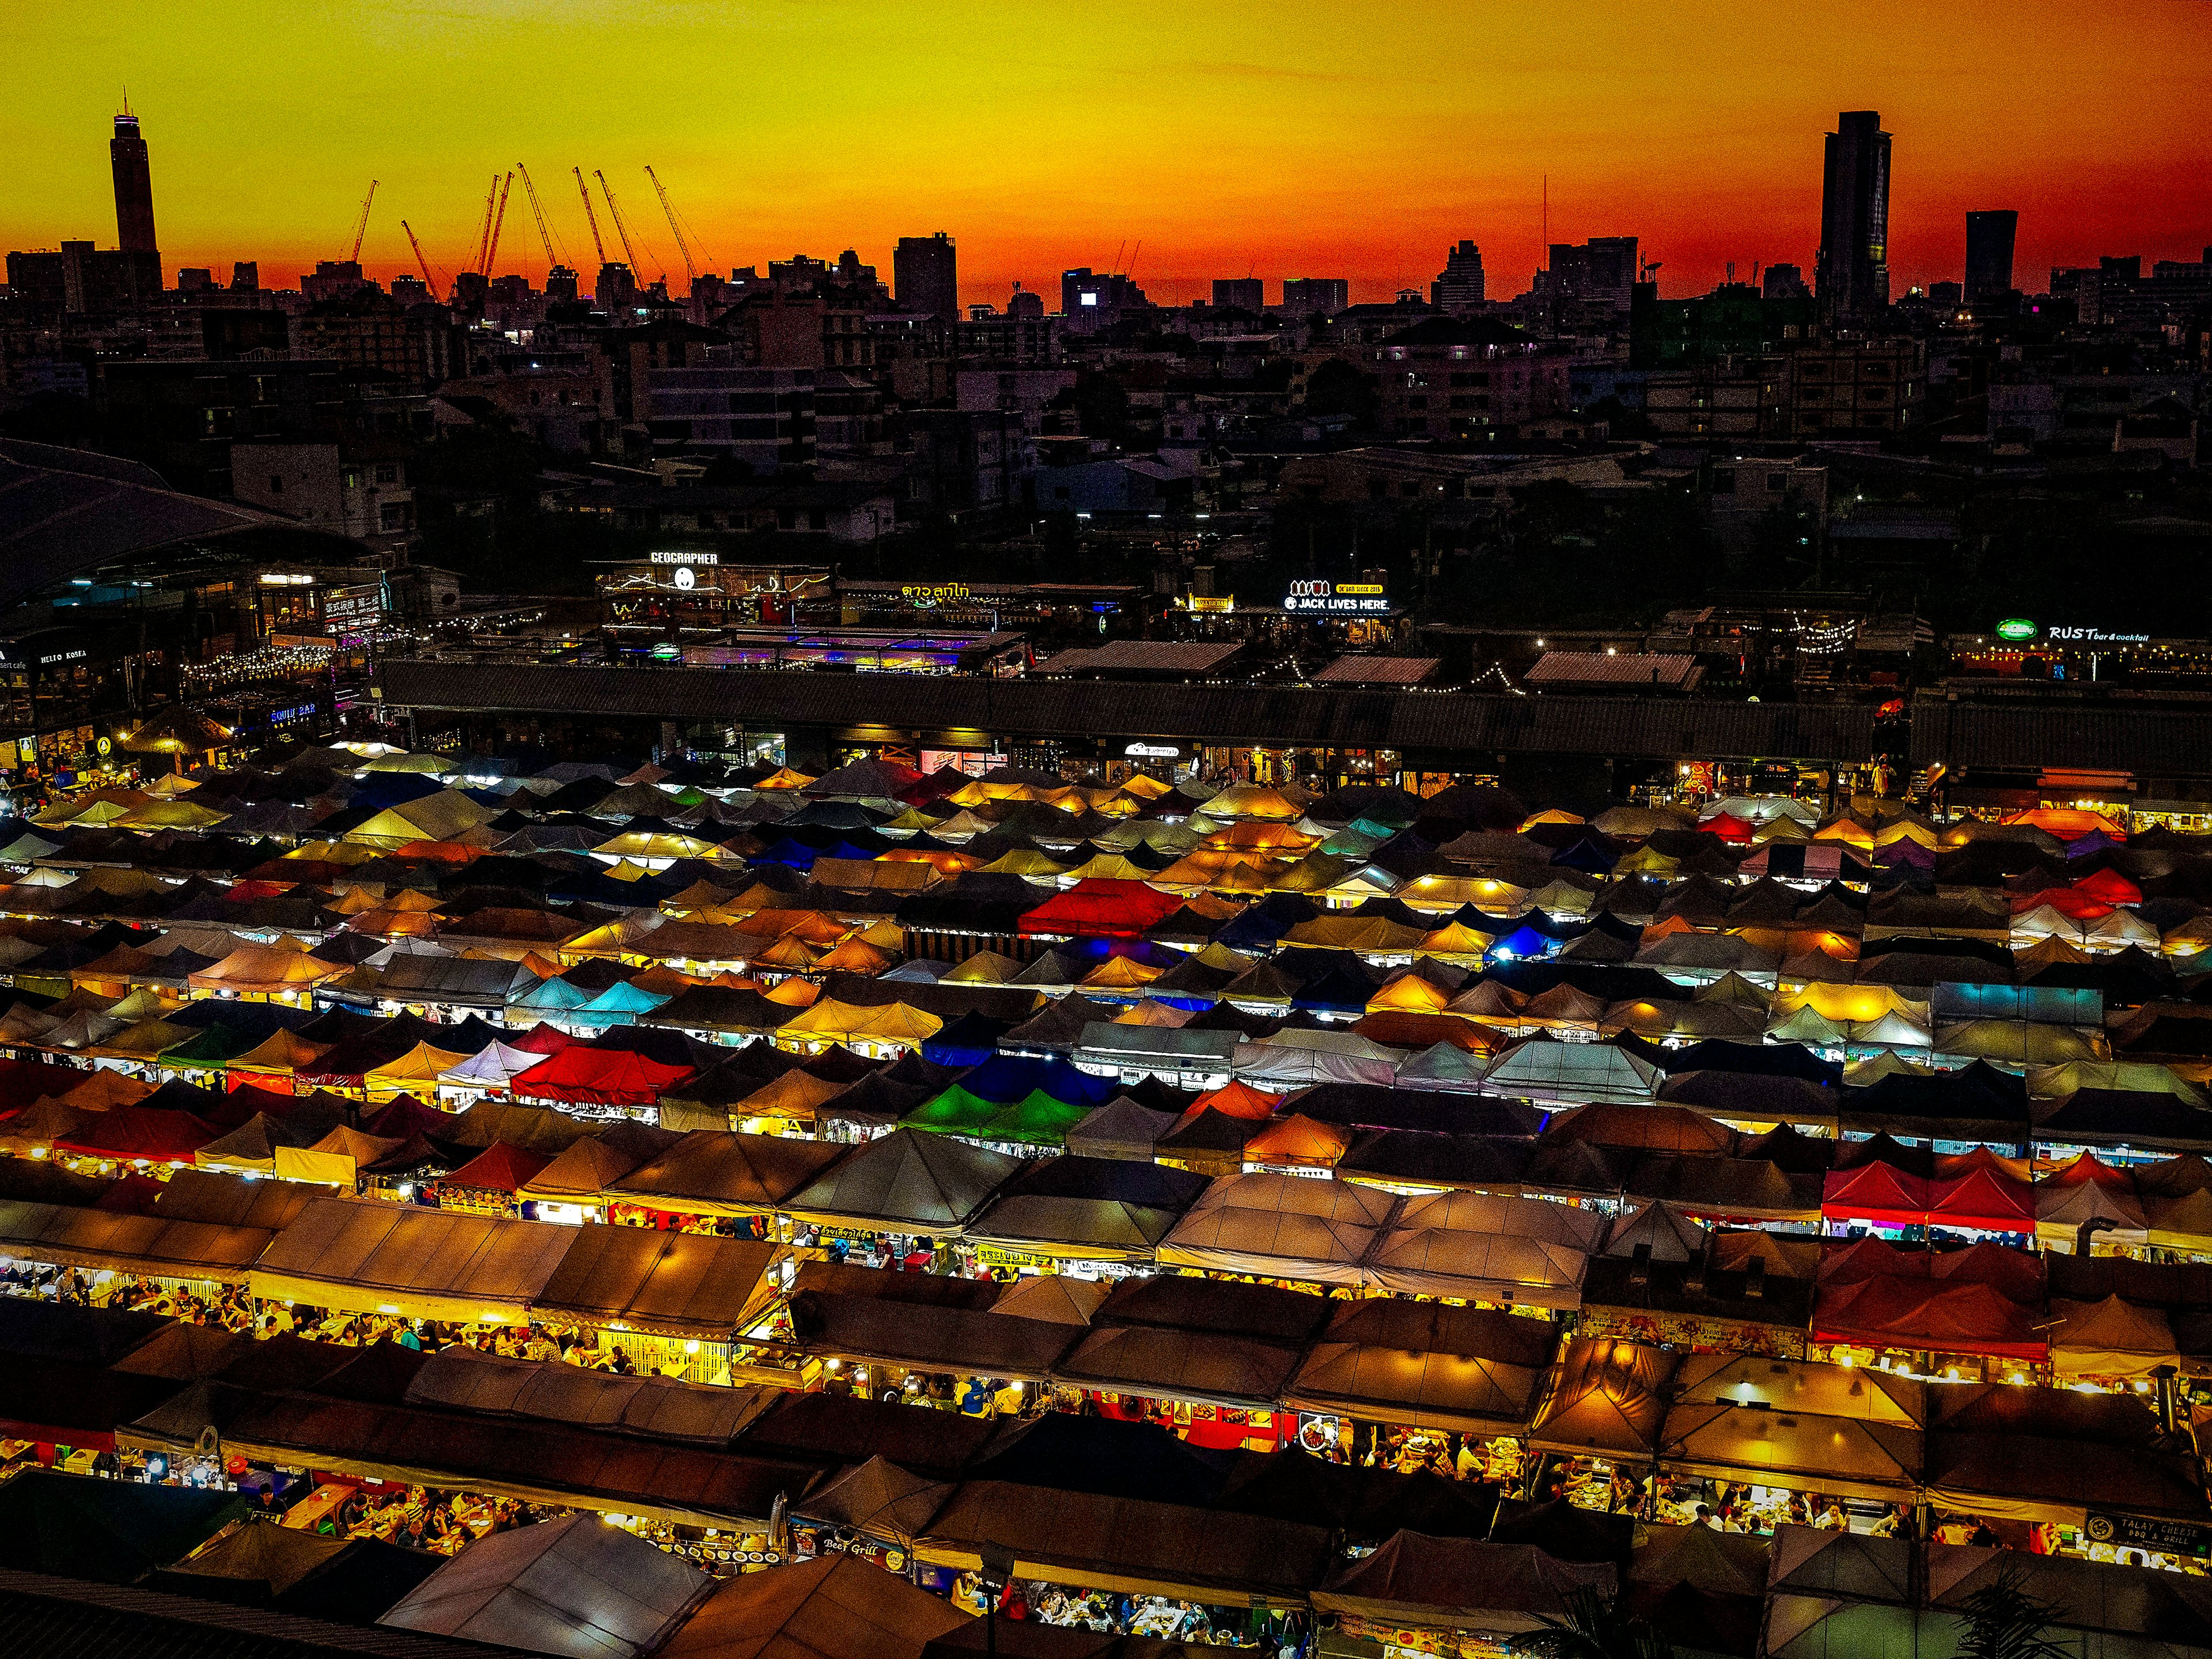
{"type": "Point", "coordinates": [925, 276]}
{"type": "Point", "coordinates": [1850, 276]}
{"type": "Point", "coordinates": [1990, 236]}
{"type": "Point", "coordinates": [134, 185]}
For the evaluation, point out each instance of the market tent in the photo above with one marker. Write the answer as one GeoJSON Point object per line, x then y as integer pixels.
{"type": "Point", "coordinates": [1426, 1365]}
{"type": "Point", "coordinates": [696, 1286]}
{"type": "Point", "coordinates": [1281, 1227]}
{"type": "Point", "coordinates": [1134, 1545]}
{"type": "Point", "coordinates": [906, 1181]}
{"type": "Point", "coordinates": [1487, 1247]}
{"type": "Point", "coordinates": [2055, 1455]}
{"type": "Point", "coordinates": [500, 1168]}
{"type": "Point", "coordinates": [2088, 1189]}
{"type": "Point", "coordinates": [336, 1159]}
{"type": "Point", "coordinates": [1456, 1584]}
{"type": "Point", "coordinates": [2111, 1340]}
{"type": "Point", "coordinates": [1605, 1397]}
{"type": "Point", "coordinates": [716, 1172]}
{"type": "Point", "coordinates": [266, 971]}
{"type": "Point", "coordinates": [582, 1173]}
{"type": "Point", "coordinates": [836, 1607]}
{"type": "Point", "coordinates": [573, 1588]}
{"type": "Point", "coordinates": [1926, 1316]}
{"type": "Point", "coordinates": [1098, 908]}
{"type": "Point", "coordinates": [495, 1066]}
{"type": "Point", "coordinates": [880, 1499]}
{"type": "Point", "coordinates": [580, 1074]}
{"type": "Point", "coordinates": [368, 1256]}
{"type": "Point", "coordinates": [1094, 1208]}
{"type": "Point", "coordinates": [1725, 1439]}
{"type": "Point", "coordinates": [417, 1071]}
{"type": "Point", "coordinates": [1539, 1069]}
{"type": "Point", "coordinates": [1119, 1129]}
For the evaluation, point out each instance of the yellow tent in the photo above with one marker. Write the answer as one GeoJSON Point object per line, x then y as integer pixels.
{"type": "Point", "coordinates": [416, 1071]}
{"type": "Point", "coordinates": [335, 1159]}
{"type": "Point", "coordinates": [784, 778]}
{"type": "Point", "coordinates": [266, 971]}
{"type": "Point", "coordinates": [173, 815]}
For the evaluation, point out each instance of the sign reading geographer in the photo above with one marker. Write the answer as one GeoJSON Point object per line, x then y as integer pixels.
{"type": "Point", "coordinates": [1339, 598]}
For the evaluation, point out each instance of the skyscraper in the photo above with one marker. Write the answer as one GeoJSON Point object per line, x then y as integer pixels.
{"type": "Point", "coordinates": [1239, 294]}
{"type": "Point", "coordinates": [925, 276]}
{"type": "Point", "coordinates": [1989, 251]}
{"type": "Point", "coordinates": [133, 187]}
{"type": "Point", "coordinates": [1850, 276]}
{"type": "Point", "coordinates": [1458, 287]}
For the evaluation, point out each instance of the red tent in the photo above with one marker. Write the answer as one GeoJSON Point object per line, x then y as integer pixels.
{"type": "Point", "coordinates": [405, 1116]}
{"type": "Point", "coordinates": [1238, 1099]}
{"type": "Point", "coordinates": [2111, 886]}
{"type": "Point", "coordinates": [22, 1081]}
{"type": "Point", "coordinates": [606, 1077]}
{"type": "Point", "coordinates": [1926, 1315]}
{"type": "Point", "coordinates": [541, 1039]}
{"type": "Point", "coordinates": [2069, 901]}
{"type": "Point", "coordinates": [1878, 1194]}
{"type": "Point", "coordinates": [2017, 1275]}
{"type": "Point", "coordinates": [500, 1168]}
{"type": "Point", "coordinates": [139, 1131]}
{"type": "Point", "coordinates": [1728, 828]}
{"type": "Point", "coordinates": [1100, 907]}
{"type": "Point", "coordinates": [1982, 1199]}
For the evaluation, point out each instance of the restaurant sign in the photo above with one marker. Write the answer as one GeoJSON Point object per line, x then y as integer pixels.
{"type": "Point", "coordinates": [929, 596]}
{"type": "Point", "coordinates": [2015, 629]}
{"type": "Point", "coordinates": [1339, 598]}
{"type": "Point", "coordinates": [2142, 1532]}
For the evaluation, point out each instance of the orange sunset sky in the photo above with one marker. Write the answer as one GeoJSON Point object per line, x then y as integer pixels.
{"type": "Point", "coordinates": [1349, 138]}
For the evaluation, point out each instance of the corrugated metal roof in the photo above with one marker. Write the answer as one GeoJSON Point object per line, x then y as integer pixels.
{"type": "Point", "coordinates": [1142, 656]}
{"type": "Point", "coordinates": [1612, 668]}
{"type": "Point", "coordinates": [1454, 723]}
{"type": "Point", "coordinates": [1376, 671]}
{"type": "Point", "coordinates": [2150, 741]}
{"type": "Point", "coordinates": [63, 511]}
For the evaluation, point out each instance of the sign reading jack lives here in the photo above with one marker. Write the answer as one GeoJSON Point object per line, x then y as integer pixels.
{"type": "Point", "coordinates": [1339, 598]}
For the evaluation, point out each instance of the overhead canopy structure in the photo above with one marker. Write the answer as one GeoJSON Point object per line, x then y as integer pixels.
{"type": "Point", "coordinates": [1457, 1584]}
{"type": "Point", "coordinates": [1281, 1227]}
{"type": "Point", "coordinates": [572, 1587]}
{"type": "Point", "coordinates": [368, 1256]}
{"type": "Point", "coordinates": [836, 1607]}
{"type": "Point", "coordinates": [1427, 1365]}
{"type": "Point", "coordinates": [906, 1181]}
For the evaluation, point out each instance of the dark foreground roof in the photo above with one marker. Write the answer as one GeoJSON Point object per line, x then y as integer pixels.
{"type": "Point", "coordinates": [1455, 723]}
{"type": "Point", "coordinates": [67, 1619]}
{"type": "Point", "coordinates": [66, 510]}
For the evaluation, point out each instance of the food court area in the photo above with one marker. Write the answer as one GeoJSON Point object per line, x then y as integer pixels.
{"type": "Point", "coordinates": [1341, 1224]}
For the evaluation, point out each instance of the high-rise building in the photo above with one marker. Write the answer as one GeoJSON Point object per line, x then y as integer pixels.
{"type": "Point", "coordinates": [615, 288]}
{"type": "Point", "coordinates": [1458, 288]}
{"type": "Point", "coordinates": [1305, 296]}
{"type": "Point", "coordinates": [1589, 288]}
{"type": "Point", "coordinates": [1239, 294]}
{"type": "Point", "coordinates": [1092, 300]}
{"type": "Point", "coordinates": [1990, 236]}
{"type": "Point", "coordinates": [1850, 276]}
{"type": "Point", "coordinates": [245, 276]}
{"type": "Point", "coordinates": [133, 187]}
{"type": "Point", "coordinates": [1783, 282]}
{"type": "Point", "coordinates": [925, 276]}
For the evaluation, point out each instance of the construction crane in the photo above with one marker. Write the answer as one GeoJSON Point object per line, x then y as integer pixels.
{"type": "Point", "coordinates": [484, 230]}
{"type": "Point", "coordinates": [622, 227]}
{"type": "Point", "coordinates": [360, 225]}
{"type": "Point", "coordinates": [590, 217]}
{"type": "Point", "coordinates": [682, 242]}
{"type": "Point", "coordinates": [437, 284]}
{"type": "Point", "coordinates": [544, 229]}
{"type": "Point", "coordinates": [491, 253]}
